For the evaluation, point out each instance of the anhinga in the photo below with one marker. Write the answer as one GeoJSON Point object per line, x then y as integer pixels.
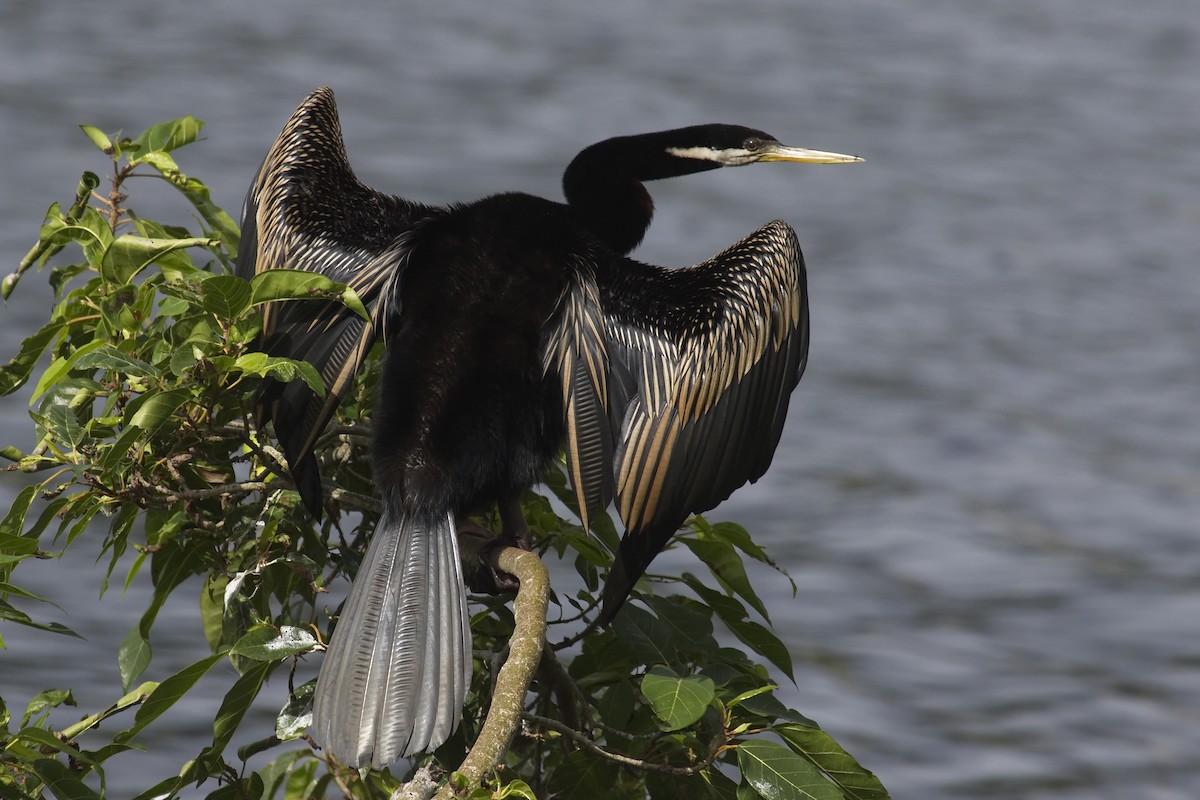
{"type": "Point", "coordinates": [514, 328]}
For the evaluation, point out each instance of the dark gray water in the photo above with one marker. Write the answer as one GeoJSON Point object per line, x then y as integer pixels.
{"type": "Point", "coordinates": [989, 489]}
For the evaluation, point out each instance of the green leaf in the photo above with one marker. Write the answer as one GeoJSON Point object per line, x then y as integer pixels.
{"type": "Point", "coordinates": [107, 357]}
{"type": "Point", "coordinates": [284, 370]}
{"type": "Point", "coordinates": [295, 717]}
{"type": "Point", "coordinates": [733, 614]}
{"type": "Point", "coordinates": [268, 643]}
{"type": "Point", "coordinates": [44, 701]}
{"type": "Point", "coordinates": [579, 776]}
{"type": "Point", "coordinates": [250, 786]}
{"type": "Point", "coordinates": [154, 408]}
{"type": "Point", "coordinates": [856, 782]}
{"type": "Point", "coordinates": [90, 231]}
{"type": "Point", "coordinates": [62, 781]}
{"type": "Point", "coordinates": [727, 567]}
{"type": "Point", "coordinates": [293, 284]}
{"type": "Point", "coordinates": [212, 608]}
{"type": "Point", "coordinates": [128, 255]}
{"type": "Point", "coordinates": [167, 136]}
{"type": "Point", "coordinates": [677, 702]}
{"type": "Point", "coordinates": [236, 703]}
{"type": "Point", "coordinates": [225, 296]}
{"type": "Point", "coordinates": [690, 630]}
{"type": "Point", "coordinates": [16, 372]}
{"type": "Point", "coordinates": [14, 522]}
{"type": "Point", "coordinates": [777, 773]}
{"type": "Point", "coordinates": [167, 694]}
{"type": "Point", "coordinates": [133, 657]}
{"type": "Point", "coordinates": [98, 137]}
{"type": "Point", "coordinates": [645, 635]}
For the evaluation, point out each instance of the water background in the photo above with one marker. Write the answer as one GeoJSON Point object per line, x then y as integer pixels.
{"type": "Point", "coordinates": [989, 488]}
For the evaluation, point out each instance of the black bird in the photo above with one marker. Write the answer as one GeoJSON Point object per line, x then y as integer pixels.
{"type": "Point", "coordinates": [514, 328]}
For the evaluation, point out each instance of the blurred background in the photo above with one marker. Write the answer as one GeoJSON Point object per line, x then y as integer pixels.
{"type": "Point", "coordinates": [988, 492]}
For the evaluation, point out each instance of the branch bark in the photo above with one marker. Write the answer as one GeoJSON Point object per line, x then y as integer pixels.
{"type": "Point", "coordinates": [512, 683]}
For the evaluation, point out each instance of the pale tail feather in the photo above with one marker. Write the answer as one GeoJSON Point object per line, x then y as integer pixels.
{"type": "Point", "coordinates": [395, 674]}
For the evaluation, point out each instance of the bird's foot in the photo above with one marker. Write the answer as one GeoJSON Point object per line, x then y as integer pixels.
{"type": "Point", "coordinates": [478, 545]}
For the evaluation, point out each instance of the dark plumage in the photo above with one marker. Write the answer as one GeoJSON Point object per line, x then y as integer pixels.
{"type": "Point", "coordinates": [515, 327]}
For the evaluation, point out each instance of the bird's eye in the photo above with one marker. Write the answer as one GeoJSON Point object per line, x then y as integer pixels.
{"type": "Point", "coordinates": [752, 144]}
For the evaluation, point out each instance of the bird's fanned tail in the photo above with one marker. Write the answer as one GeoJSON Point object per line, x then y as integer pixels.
{"type": "Point", "coordinates": [395, 674]}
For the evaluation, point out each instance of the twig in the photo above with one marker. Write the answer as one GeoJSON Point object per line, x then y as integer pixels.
{"type": "Point", "coordinates": [628, 761]}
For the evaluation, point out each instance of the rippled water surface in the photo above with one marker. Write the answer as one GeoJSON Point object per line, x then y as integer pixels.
{"type": "Point", "coordinates": [989, 488]}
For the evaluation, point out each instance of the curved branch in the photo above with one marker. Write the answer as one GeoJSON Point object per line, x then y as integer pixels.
{"type": "Point", "coordinates": [524, 655]}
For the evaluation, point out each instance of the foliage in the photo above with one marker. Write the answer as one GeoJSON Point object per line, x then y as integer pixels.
{"type": "Point", "coordinates": [144, 441]}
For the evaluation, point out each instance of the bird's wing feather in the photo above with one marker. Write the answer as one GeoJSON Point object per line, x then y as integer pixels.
{"type": "Point", "coordinates": [702, 369]}
{"type": "Point", "coordinates": [307, 211]}
{"type": "Point", "coordinates": [576, 351]}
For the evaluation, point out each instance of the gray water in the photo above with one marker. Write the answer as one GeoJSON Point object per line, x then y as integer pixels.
{"type": "Point", "coordinates": [989, 488]}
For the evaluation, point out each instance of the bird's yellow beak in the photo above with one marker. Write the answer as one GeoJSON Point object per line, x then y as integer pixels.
{"type": "Point", "coordinates": [779, 152]}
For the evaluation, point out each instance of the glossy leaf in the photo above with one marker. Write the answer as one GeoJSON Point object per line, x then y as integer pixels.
{"type": "Point", "coordinates": [128, 255]}
{"type": "Point", "coordinates": [856, 782]}
{"type": "Point", "coordinates": [150, 411]}
{"type": "Point", "coordinates": [292, 284]}
{"type": "Point", "coordinates": [268, 643]}
{"type": "Point", "coordinates": [283, 370]}
{"type": "Point", "coordinates": [167, 136]}
{"type": "Point", "coordinates": [777, 773]}
{"type": "Point", "coordinates": [296, 716]}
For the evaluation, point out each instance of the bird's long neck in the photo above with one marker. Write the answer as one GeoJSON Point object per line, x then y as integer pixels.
{"type": "Point", "coordinates": [603, 184]}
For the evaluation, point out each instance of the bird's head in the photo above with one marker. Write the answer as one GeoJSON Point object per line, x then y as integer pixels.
{"type": "Point", "coordinates": [735, 146]}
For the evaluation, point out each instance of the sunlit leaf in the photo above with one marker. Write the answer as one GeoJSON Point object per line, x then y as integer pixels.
{"type": "Point", "coordinates": [225, 296]}
{"type": "Point", "coordinates": [128, 255]}
{"type": "Point", "coordinates": [295, 717]}
{"type": "Point", "coordinates": [152, 409]}
{"type": "Point", "coordinates": [292, 284]}
{"type": "Point", "coordinates": [281, 369]}
{"type": "Point", "coordinates": [167, 136]}
{"type": "Point", "coordinates": [98, 137]}
{"type": "Point", "coordinates": [268, 643]}
{"type": "Point", "coordinates": [46, 700]}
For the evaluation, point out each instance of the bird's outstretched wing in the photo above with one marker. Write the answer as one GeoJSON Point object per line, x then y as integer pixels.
{"type": "Point", "coordinates": [676, 385]}
{"type": "Point", "coordinates": [307, 211]}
